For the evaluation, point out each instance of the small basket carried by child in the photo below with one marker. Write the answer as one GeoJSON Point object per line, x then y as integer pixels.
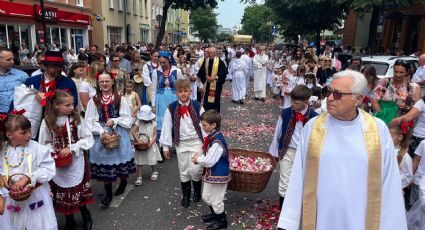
{"type": "Point", "coordinates": [22, 194]}
{"type": "Point", "coordinates": [111, 140]}
{"type": "Point", "coordinates": [62, 161]}
{"type": "Point", "coordinates": [250, 181]}
{"type": "Point", "coordinates": [143, 144]}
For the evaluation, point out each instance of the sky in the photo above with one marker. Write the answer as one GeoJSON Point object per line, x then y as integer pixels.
{"type": "Point", "coordinates": [229, 12]}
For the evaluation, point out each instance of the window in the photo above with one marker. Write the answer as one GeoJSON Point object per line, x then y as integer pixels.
{"type": "Point", "coordinates": [111, 4]}
{"type": "Point", "coordinates": [141, 8]}
{"type": "Point", "coordinates": [146, 12]}
{"type": "Point", "coordinates": [114, 35]}
{"type": "Point", "coordinates": [79, 3]}
{"type": "Point", "coordinates": [120, 5]}
{"type": "Point", "coordinates": [127, 6]}
{"type": "Point", "coordinates": [134, 7]}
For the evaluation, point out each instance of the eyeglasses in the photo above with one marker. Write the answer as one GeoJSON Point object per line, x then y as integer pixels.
{"type": "Point", "coordinates": [336, 94]}
{"type": "Point", "coordinates": [115, 60]}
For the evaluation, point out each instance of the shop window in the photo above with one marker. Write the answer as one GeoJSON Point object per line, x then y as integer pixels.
{"type": "Point", "coordinates": [144, 34]}
{"type": "Point", "coordinates": [3, 36]}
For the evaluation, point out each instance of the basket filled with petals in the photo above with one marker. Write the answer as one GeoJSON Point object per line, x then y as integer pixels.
{"type": "Point", "coordinates": [143, 144]}
{"type": "Point", "coordinates": [251, 170]}
{"type": "Point", "coordinates": [19, 195]}
{"type": "Point", "coordinates": [110, 140]}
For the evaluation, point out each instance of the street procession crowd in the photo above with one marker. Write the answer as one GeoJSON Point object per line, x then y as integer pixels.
{"type": "Point", "coordinates": [349, 145]}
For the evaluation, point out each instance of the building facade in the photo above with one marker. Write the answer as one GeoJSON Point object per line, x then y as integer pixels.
{"type": "Point", "coordinates": [68, 24]}
{"type": "Point", "coordinates": [122, 21]}
{"type": "Point", "coordinates": [156, 13]}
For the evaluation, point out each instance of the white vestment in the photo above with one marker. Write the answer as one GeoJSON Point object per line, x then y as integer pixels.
{"type": "Point", "coordinates": [342, 179]}
{"type": "Point", "coordinates": [248, 74]}
{"type": "Point", "coordinates": [238, 70]}
{"type": "Point", "coordinates": [260, 74]}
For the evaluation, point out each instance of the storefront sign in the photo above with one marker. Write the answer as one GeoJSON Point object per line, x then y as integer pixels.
{"type": "Point", "coordinates": [50, 14]}
{"type": "Point", "coordinates": [12, 9]}
{"type": "Point", "coordinates": [65, 16]}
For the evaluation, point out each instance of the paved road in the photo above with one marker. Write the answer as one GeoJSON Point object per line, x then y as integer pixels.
{"type": "Point", "coordinates": [156, 205]}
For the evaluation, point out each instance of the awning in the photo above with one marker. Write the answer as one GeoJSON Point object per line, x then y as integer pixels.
{"type": "Point", "coordinates": [12, 9]}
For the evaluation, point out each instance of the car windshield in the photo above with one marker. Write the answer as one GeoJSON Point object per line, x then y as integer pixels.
{"type": "Point", "coordinates": [381, 68]}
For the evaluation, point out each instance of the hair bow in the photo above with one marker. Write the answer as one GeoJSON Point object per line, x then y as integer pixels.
{"type": "Point", "coordinates": [3, 117]}
{"type": "Point", "coordinates": [96, 76]}
{"type": "Point", "coordinates": [406, 126]}
{"type": "Point", "coordinates": [49, 95]}
{"type": "Point", "coordinates": [18, 112]}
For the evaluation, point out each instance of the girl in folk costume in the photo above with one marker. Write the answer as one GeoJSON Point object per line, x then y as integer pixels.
{"type": "Point", "coordinates": [108, 115]}
{"type": "Point", "coordinates": [144, 130]}
{"type": "Point", "coordinates": [163, 86]}
{"type": "Point", "coordinates": [215, 160]}
{"type": "Point", "coordinates": [66, 133]}
{"type": "Point", "coordinates": [293, 80]}
{"type": "Point", "coordinates": [132, 97]}
{"type": "Point", "coordinates": [401, 135]}
{"type": "Point", "coordinates": [193, 79]}
{"type": "Point", "coordinates": [25, 164]}
{"type": "Point", "coordinates": [148, 70]}
{"type": "Point", "coordinates": [117, 73]}
{"type": "Point", "coordinates": [277, 83]}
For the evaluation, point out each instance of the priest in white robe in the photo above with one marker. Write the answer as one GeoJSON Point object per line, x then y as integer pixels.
{"type": "Point", "coordinates": [260, 74]}
{"type": "Point", "coordinates": [345, 173]}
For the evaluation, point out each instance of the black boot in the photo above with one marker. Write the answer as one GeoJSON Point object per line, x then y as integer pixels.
{"type": "Point", "coordinates": [121, 188]}
{"type": "Point", "coordinates": [186, 194]}
{"type": "Point", "coordinates": [108, 197]}
{"type": "Point", "coordinates": [220, 222]}
{"type": "Point", "coordinates": [87, 221]}
{"type": "Point", "coordinates": [281, 198]}
{"type": "Point", "coordinates": [70, 223]}
{"type": "Point", "coordinates": [197, 186]}
{"type": "Point", "coordinates": [209, 217]}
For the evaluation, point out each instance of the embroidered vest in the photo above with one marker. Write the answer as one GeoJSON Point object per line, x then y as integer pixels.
{"type": "Point", "coordinates": [111, 110]}
{"type": "Point", "coordinates": [61, 137]}
{"type": "Point", "coordinates": [194, 112]}
{"type": "Point", "coordinates": [161, 81]}
{"type": "Point", "coordinates": [288, 128]}
{"type": "Point", "coordinates": [220, 172]}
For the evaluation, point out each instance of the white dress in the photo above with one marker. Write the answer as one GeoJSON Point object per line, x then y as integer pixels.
{"type": "Point", "coordinates": [37, 211]}
{"type": "Point", "coordinates": [342, 179]}
{"type": "Point", "coordinates": [150, 156]}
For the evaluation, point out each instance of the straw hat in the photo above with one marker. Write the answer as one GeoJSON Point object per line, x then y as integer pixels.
{"type": "Point", "coordinates": [145, 113]}
{"type": "Point", "coordinates": [138, 78]}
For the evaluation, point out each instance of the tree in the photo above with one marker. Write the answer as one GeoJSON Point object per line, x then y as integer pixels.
{"type": "Point", "coordinates": [179, 4]}
{"type": "Point", "coordinates": [204, 23]}
{"type": "Point", "coordinates": [223, 37]}
{"type": "Point", "coordinates": [256, 22]}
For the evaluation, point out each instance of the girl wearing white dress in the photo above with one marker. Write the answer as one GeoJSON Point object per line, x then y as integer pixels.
{"type": "Point", "coordinates": [21, 155]}
{"type": "Point", "coordinates": [107, 114]}
{"type": "Point", "coordinates": [146, 126]}
{"type": "Point", "coordinates": [66, 133]}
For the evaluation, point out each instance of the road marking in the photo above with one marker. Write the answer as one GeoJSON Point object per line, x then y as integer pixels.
{"type": "Point", "coordinates": [117, 200]}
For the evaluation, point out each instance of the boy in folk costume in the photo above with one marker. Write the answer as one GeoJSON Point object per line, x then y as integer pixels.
{"type": "Point", "coordinates": [215, 160]}
{"type": "Point", "coordinates": [181, 128]}
{"type": "Point", "coordinates": [288, 130]}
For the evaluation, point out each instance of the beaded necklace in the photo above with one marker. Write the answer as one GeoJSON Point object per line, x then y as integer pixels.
{"type": "Point", "coordinates": [6, 158]}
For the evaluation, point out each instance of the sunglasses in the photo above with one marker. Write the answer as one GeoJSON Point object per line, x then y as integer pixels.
{"type": "Point", "coordinates": [336, 94]}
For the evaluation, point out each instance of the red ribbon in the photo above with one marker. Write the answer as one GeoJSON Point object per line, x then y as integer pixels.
{"type": "Point", "coordinates": [405, 126]}
{"type": "Point", "coordinates": [299, 117]}
{"type": "Point", "coordinates": [114, 75]}
{"type": "Point", "coordinates": [18, 112]}
{"type": "Point", "coordinates": [47, 96]}
{"type": "Point", "coordinates": [96, 76]}
{"type": "Point", "coordinates": [206, 143]}
{"type": "Point", "coordinates": [53, 59]}
{"type": "Point", "coordinates": [184, 111]}
{"type": "Point", "coordinates": [3, 117]}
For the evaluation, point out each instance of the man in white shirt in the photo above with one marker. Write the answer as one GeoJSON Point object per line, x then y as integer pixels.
{"type": "Point", "coordinates": [248, 62]}
{"type": "Point", "coordinates": [345, 173]}
{"type": "Point", "coordinates": [419, 76]}
{"type": "Point", "coordinates": [260, 74]}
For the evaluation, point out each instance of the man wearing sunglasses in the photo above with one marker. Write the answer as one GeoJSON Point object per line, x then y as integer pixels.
{"type": "Point", "coordinates": [345, 173]}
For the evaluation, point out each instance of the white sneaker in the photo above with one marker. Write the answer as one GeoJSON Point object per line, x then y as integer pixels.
{"type": "Point", "coordinates": [154, 176]}
{"type": "Point", "coordinates": [138, 181]}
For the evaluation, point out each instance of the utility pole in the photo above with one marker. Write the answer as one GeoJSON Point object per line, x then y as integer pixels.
{"type": "Point", "coordinates": [43, 21]}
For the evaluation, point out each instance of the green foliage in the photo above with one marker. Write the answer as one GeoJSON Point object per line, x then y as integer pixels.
{"type": "Point", "coordinates": [256, 21]}
{"type": "Point", "coordinates": [204, 23]}
{"type": "Point", "coordinates": [223, 37]}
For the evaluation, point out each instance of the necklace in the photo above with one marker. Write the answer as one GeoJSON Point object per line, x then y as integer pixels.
{"type": "Point", "coordinates": [6, 158]}
{"type": "Point", "coordinates": [106, 99]}
{"type": "Point", "coordinates": [166, 75]}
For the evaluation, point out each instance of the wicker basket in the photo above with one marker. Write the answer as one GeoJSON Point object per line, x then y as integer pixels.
{"type": "Point", "coordinates": [111, 141]}
{"type": "Point", "coordinates": [253, 182]}
{"type": "Point", "coordinates": [62, 161]}
{"type": "Point", "coordinates": [143, 144]}
{"type": "Point", "coordinates": [24, 193]}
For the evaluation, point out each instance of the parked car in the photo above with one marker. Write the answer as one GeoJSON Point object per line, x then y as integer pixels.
{"type": "Point", "coordinates": [384, 65]}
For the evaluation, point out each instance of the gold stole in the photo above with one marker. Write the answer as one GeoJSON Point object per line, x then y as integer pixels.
{"type": "Point", "coordinates": [373, 149]}
{"type": "Point", "coordinates": [213, 84]}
